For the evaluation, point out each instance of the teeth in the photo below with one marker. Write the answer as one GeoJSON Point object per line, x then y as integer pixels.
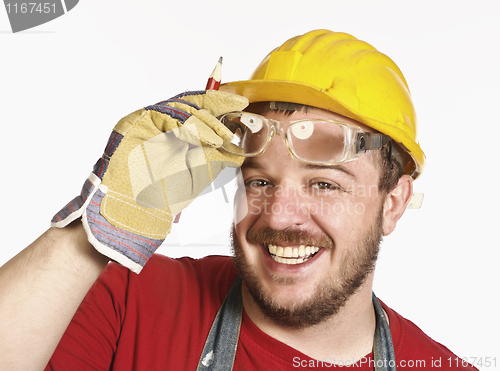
{"type": "Point", "coordinates": [289, 255]}
{"type": "Point", "coordinates": [272, 249]}
{"type": "Point", "coordinates": [302, 250]}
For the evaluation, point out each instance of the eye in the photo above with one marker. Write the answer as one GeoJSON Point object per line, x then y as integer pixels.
{"type": "Point", "coordinates": [257, 183]}
{"type": "Point", "coordinates": [254, 123]}
{"type": "Point", "coordinates": [303, 129]}
{"type": "Point", "coordinates": [326, 186]}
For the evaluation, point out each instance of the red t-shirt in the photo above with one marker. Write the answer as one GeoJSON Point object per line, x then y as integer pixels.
{"type": "Point", "coordinates": [159, 320]}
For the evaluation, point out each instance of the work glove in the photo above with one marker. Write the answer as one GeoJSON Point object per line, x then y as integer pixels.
{"type": "Point", "coordinates": [157, 160]}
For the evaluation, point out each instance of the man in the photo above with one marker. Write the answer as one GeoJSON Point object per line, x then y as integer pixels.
{"type": "Point", "coordinates": [328, 152]}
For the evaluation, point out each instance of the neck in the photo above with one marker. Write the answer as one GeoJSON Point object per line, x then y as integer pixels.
{"type": "Point", "coordinates": [345, 336]}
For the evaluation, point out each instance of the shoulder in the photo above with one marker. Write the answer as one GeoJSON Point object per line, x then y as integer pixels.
{"type": "Point", "coordinates": [416, 349]}
{"type": "Point", "coordinates": [164, 276]}
{"type": "Point", "coordinates": [123, 312]}
{"type": "Point", "coordinates": [164, 266]}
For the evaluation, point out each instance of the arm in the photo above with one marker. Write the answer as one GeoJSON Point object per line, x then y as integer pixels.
{"type": "Point", "coordinates": [148, 173]}
{"type": "Point", "coordinates": [40, 291]}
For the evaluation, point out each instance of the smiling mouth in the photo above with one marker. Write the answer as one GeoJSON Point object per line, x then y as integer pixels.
{"type": "Point", "coordinates": [292, 255]}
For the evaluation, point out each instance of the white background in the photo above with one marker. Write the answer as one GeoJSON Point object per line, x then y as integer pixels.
{"type": "Point", "coordinates": [65, 84]}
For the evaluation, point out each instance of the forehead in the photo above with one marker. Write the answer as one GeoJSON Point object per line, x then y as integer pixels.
{"type": "Point", "coordinates": [312, 113]}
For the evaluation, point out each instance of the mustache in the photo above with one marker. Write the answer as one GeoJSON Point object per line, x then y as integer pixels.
{"type": "Point", "coordinates": [288, 236]}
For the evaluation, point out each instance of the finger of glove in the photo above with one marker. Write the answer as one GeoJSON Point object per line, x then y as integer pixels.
{"type": "Point", "coordinates": [207, 105]}
{"type": "Point", "coordinates": [214, 101]}
{"type": "Point", "coordinates": [197, 133]}
{"type": "Point", "coordinates": [206, 117]}
{"type": "Point", "coordinates": [217, 155]}
{"type": "Point", "coordinates": [164, 118]}
{"type": "Point", "coordinates": [175, 113]}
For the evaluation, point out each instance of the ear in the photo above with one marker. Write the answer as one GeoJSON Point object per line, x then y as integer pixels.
{"type": "Point", "coordinates": [395, 203]}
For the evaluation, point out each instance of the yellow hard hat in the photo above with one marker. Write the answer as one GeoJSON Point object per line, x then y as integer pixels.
{"type": "Point", "coordinates": [339, 73]}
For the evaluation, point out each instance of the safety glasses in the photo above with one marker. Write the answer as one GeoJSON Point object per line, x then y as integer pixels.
{"type": "Point", "coordinates": [315, 141]}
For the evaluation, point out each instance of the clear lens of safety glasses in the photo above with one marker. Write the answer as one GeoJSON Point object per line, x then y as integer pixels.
{"type": "Point", "coordinates": [251, 132]}
{"type": "Point", "coordinates": [313, 141]}
{"type": "Point", "coordinates": [322, 142]}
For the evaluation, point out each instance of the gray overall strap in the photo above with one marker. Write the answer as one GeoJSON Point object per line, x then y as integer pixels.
{"type": "Point", "coordinates": [220, 347]}
{"type": "Point", "coordinates": [383, 349]}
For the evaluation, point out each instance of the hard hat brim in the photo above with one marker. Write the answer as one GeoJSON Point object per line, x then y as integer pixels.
{"type": "Point", "coordinates": [285, 91]}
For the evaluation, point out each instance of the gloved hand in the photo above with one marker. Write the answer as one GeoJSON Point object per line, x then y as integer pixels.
{"type": "Point", "coordinates": [157, 160]}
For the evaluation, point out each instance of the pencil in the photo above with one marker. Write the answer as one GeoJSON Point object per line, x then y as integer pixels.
{"type": "Point", "coordinates": [214, 79]}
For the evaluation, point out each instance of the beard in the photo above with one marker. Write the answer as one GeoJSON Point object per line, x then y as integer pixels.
{"type": "Point", "coordinates": [329, 297]}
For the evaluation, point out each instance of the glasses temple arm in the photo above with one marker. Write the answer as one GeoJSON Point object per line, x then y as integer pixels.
{"type": "Point", "coordinates": [370, 141]}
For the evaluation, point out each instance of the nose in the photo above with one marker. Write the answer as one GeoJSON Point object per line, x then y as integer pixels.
{"type": "Point", "coordinates": [284, 207]}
